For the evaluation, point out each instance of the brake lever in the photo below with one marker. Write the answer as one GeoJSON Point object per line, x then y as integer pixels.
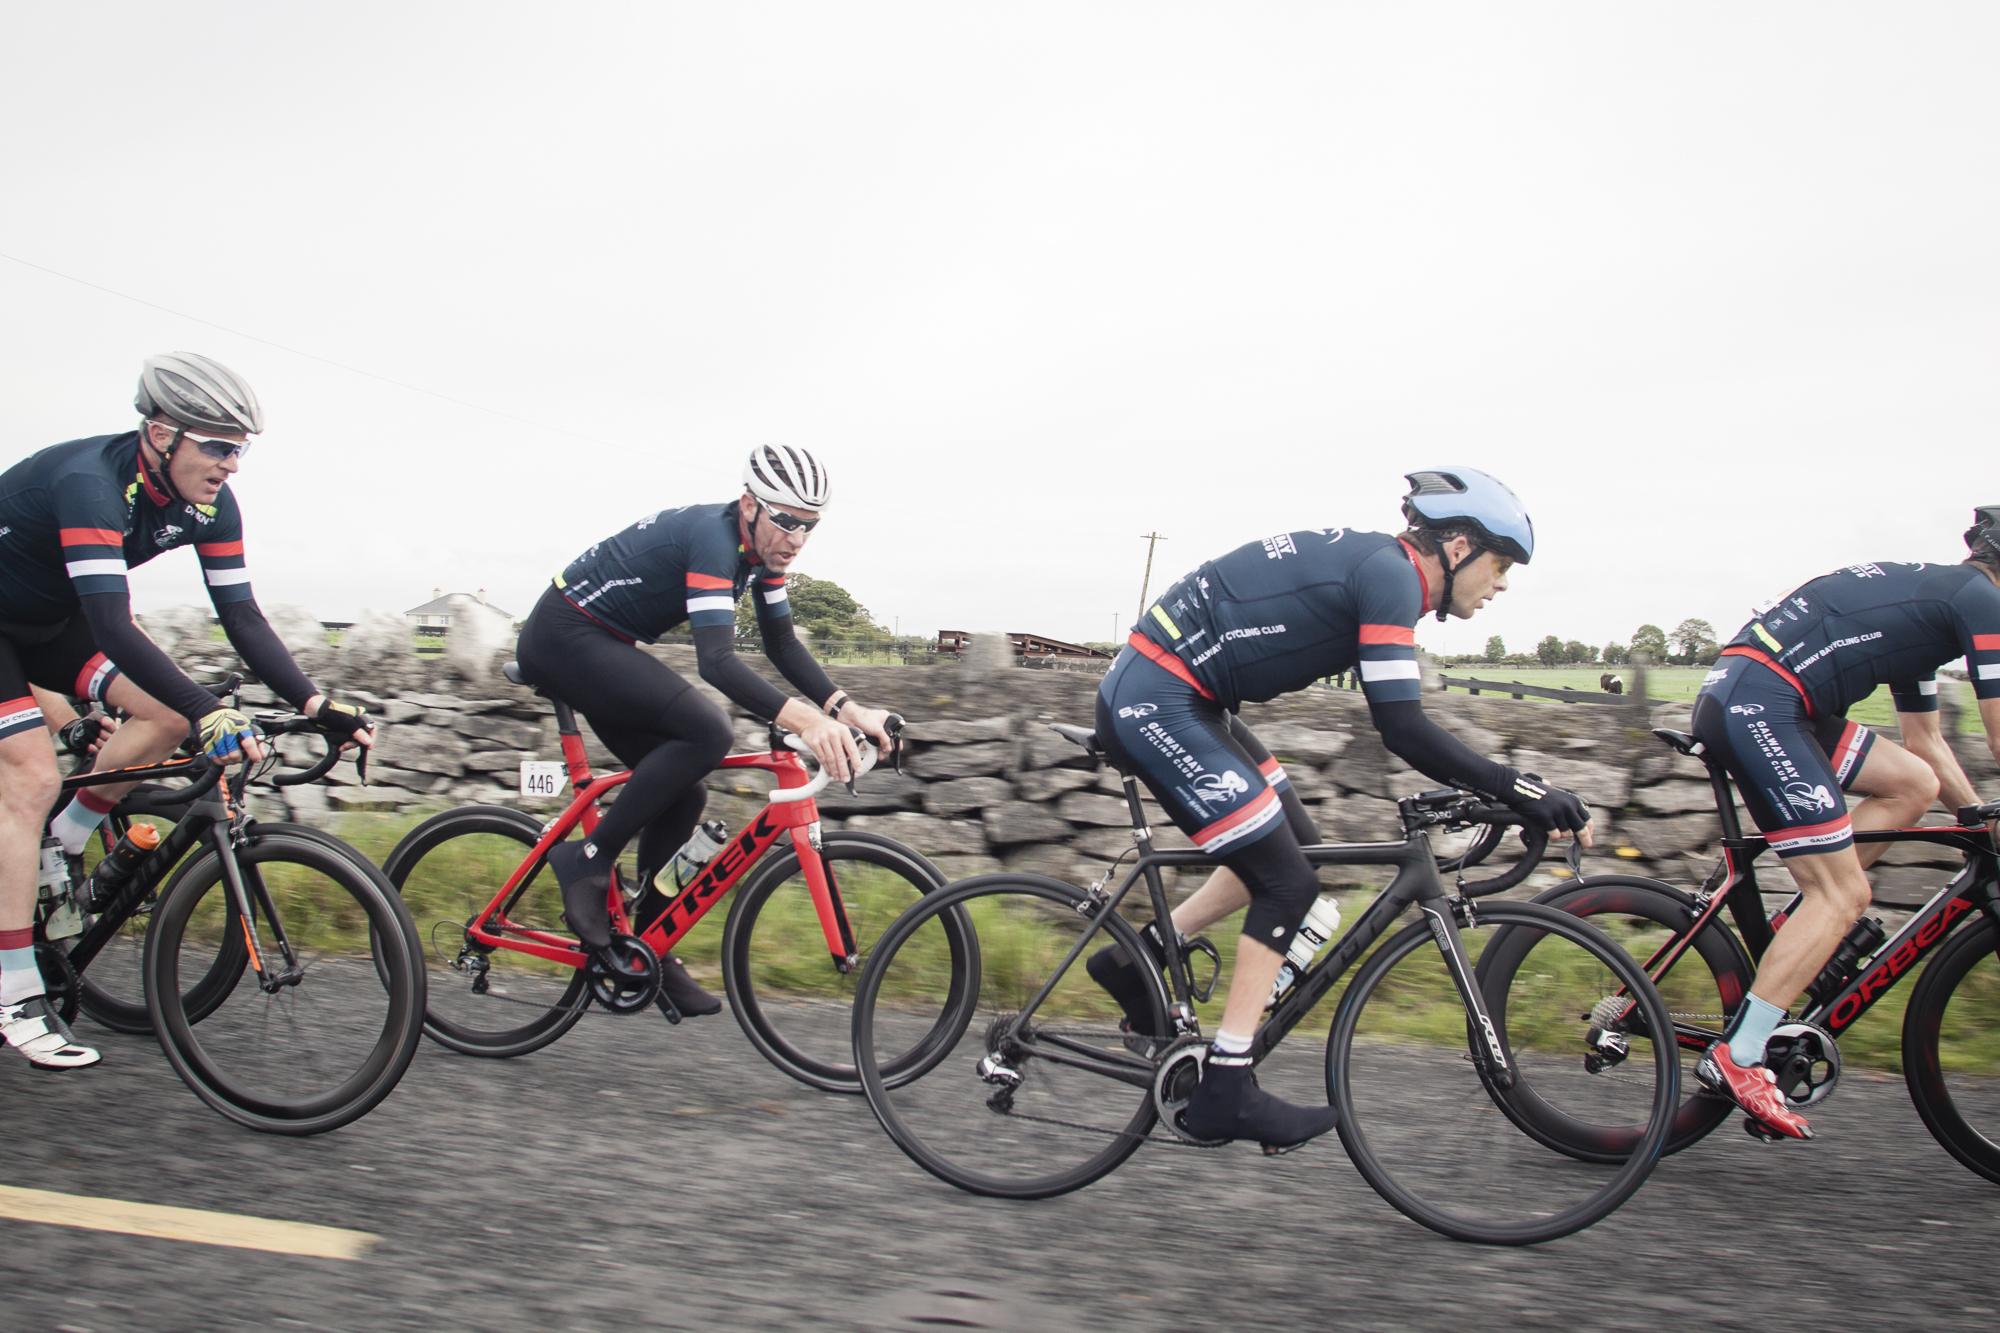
{"type": "Point", "coordinates": [1575, 855]}
{"type": "Point", "coordinates": [894, 726]}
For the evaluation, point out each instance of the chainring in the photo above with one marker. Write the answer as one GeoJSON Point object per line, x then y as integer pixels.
{"type": "Point", "coordinates": [1174, 1082]}
{"type": "Point", "coordinates": [634, 985]}
{"type": "Point", "coordinates": [1806, 1060]}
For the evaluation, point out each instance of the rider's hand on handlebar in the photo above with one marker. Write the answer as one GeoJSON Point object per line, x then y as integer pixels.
{"type": "Point", "coordinates": [832, 744]}
{"type": "Point", "coordinates": [342, 722]}
{"type": "Point", "coordinates": [874, 721]}
{"type": "Point", "coordinates": [227, 736]}
{"type": "Point", "coordinates": [1550, 808]}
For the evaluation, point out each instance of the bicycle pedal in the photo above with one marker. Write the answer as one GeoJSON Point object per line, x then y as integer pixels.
{"type": "Point", "coordinates": [1756, 1130]}
{"type": "Point", "coordinates": [667, 1009]}
{"type": "Point", "coordinates": [1276, 1150]}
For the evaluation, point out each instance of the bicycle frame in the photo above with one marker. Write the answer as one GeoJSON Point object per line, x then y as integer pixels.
{"type": "Point", "coordinates": [493, 929]}
{"type": "Point", "coordinates": [1734, 883]}
{"type": "Point", "coordinates": [1417, 882]}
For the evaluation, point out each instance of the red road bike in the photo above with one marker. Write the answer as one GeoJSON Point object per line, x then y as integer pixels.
{"type": "Point", "coordinates": [508, 977]}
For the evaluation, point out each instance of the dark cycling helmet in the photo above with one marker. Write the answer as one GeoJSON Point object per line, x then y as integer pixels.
{"type": "Point", "coordinates": [198, 393]}
{"type": "Point", "coordinates": [780, 474]}
{"type": "Point", "coordinates": [1459, 497]}
{"type": "Point", "coordinates": [1985, 531]}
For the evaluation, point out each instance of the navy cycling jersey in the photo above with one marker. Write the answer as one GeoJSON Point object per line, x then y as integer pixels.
{"type": "Point", "coordinates": [74, 517]}
{"type": "Point", "coordinates": [685, 564]}
{"type": "Point", "coordinates": [1274, 616]}
{"type": "Point", "coordinates": [1840, 636]}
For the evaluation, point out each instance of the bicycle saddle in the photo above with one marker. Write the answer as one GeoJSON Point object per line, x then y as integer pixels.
{"type": "Point", "coordinates": [1082, 736]}
{"type": "Point", "coordinates": [512, 671]}
{"type": "Point", "coordinates": [1680, 740]}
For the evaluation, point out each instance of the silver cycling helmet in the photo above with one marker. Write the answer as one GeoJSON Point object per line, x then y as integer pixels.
{"type": "Point", "coordinates": [781, 474]}
{"type": "Point", "coordinates": [198, 393]}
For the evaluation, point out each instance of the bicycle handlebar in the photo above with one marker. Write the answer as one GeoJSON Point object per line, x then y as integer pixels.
{"type": "Point", "coordinates": [294, 724]}
{"type": "Point", "coordinates": [869, 755]}
{"type": "Point", "coordinates": [1455, 810]}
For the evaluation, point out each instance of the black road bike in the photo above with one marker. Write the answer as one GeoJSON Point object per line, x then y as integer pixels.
{"type": "Point", "coordinates": [1951, 1028]}
{"type": "Point", "coordinates": [1036, 1090]}
{"type": "Point", "coordinates": [277, 966]}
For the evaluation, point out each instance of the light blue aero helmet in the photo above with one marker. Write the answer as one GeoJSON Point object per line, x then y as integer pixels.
{"type": "Point", "coordinates": [1466, 499]}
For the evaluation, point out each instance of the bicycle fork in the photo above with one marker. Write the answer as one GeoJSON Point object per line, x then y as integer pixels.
{"type": "Point", "coordinates": [1444, 916]}
{"type": "Point", "coordinates": [239, 888]}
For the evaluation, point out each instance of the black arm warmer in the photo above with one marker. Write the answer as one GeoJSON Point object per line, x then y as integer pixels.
{"type": "Point", "coordinates": [1411, 736]}
{"type": "Point", "coordinates": [795, 661]}
{"type": "Point", "coordinates": [109, 615]}
{"type": "Point", "coordinates": [715, 654]}
{"type": "Point", "coordinates": [258, 645]}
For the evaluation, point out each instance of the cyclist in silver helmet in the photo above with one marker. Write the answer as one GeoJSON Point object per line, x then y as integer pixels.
{"type": "Point", "coordinates": [73, 518]}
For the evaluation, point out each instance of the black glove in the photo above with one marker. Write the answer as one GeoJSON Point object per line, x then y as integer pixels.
{"type": "Point", "coordinates": [340, 721]}
{"type": "Point", "coordinates": [1548, 808]}
{"type": "Point", "coordinates": [79, 734]}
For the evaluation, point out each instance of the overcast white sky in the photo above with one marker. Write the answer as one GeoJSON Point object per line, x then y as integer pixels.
{"type": "Point", "coordinates": [1713, 287]}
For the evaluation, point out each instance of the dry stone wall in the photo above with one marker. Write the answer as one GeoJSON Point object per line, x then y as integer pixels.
{"type": "Point", "coordinates": [987, 784]}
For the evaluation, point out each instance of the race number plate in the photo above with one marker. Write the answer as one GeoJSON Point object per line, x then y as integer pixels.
{"type": "Point", "coordinates": [541, 778]}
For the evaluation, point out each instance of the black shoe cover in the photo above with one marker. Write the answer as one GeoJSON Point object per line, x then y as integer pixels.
{"type": "Point", "coordinates": [685, 991]}
{"type": "Point", "coordinates": [1111, 968]}
{"type": "Point", "coordinates": [586, 893]}
{"type": "Point", "coordinates": [1228, 1104]}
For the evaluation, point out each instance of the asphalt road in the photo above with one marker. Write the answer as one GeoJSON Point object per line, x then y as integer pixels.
{"type": "Point", "coordinates": [639, 1175]}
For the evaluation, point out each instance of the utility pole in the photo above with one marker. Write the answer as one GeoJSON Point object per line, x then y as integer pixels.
{"type": "Point", "coordinates": [1151, 539]}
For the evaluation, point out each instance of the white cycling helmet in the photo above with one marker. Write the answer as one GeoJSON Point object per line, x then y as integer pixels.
{"type": "Point", "coordinates": [780, 474]}
{"type": "Point", "coordinates": [197, 392]}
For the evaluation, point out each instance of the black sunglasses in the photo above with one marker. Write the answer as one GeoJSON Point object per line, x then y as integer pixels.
{"type": "Point", "coordinates": [788, 522]}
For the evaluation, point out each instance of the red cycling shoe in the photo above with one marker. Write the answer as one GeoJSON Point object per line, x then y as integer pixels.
{"type": "Point", "coordinates": [1754, 1089]}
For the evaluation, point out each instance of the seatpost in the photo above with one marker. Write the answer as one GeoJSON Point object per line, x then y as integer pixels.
{"type": "Point", "coordinates": [1180, 979]}
{"type": "Point", "coordinates": [1725, 799]}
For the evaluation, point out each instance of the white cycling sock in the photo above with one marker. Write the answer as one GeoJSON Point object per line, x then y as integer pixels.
{"type": "Point", "coordinates": [20, 978]}
{"type": "Point", "coordinates": [1754, 1026]}
{"type": "Point", "coordinates": [78, 820]}
{"type": "Point", "coordinates": [1230, 1044]}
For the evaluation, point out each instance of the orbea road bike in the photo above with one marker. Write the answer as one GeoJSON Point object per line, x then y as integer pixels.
{"type": "Point", "coordinates": [1951, 1028]}
{"type": "Point", "coordinates": [511, 979]}
{"type": "Point", "coordinates": [1041, 1091]}
{"type": "Point", "coordinates": [277, 967]}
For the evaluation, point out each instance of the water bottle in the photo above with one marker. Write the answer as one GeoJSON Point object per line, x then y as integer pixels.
{"type": "Point", "coordinates": [1318, 927]}
{"type": "Point", "coordinates": [119, 863]}
{"type": "Point", "coordinates": [695, 852]}
{"type": "Point", "coordinates": [60, 919]}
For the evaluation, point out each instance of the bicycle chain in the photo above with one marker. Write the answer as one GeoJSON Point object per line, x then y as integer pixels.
{"type": "Point", "coordinates": [1168, 1138]}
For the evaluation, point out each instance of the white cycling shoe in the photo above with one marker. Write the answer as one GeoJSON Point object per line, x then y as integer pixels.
{"type": "Point", "coordinates": [32, 1028]}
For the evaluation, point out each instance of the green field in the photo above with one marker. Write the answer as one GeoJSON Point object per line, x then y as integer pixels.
{"type": "Point", "coordinates": [1681, 684]}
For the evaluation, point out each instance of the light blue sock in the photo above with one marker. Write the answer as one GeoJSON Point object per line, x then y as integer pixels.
{"type": "Point", "coordinates": [20, 978]}
{"type": "Point", "coordinates": [1754, 1026]}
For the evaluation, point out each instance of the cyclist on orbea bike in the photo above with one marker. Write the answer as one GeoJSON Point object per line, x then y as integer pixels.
{"type": "Point", "coordinates": [73, 519]}
{"type": "Point", "coordinates": [1266, 619]}
{"type": "Point", "coordinates": [1774, 712]}
{"type": "Point", "coordinates": [580, 644]}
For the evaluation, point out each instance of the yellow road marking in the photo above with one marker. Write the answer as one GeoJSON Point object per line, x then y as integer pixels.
{"type": "Point", "coordinates": [189, 1224]}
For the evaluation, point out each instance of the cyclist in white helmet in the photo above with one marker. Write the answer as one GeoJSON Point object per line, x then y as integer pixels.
{"type": "Point", "coordinates": [683, 565]}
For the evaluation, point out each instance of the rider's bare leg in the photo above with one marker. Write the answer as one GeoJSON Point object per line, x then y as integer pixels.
{"type": "Point", "coordinates": [28, 787]}
{"type": "Point", "coordinates": [1835, 892]}
{"type": "Point", "coordinates": [1900, 788]}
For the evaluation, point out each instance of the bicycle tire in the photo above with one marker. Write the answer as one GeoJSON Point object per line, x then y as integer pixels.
{"type": "Point", "coordinates": [1417, 1117]}
{"type": "Point", "coordinates": [1707, 981]}
{"type": "Point", "coordinates": [1956, 1086]}
{"type": "Point", "coordinates": [777, 971]}
{"type": "Point", "coordinates": [952, 1121]}
{"type": "Point", "coordinates": [531, 1003]}
{"type": "Point", "coordinates": [111, 984]}
{"type": "Point", "coordinates": [310, 1056]}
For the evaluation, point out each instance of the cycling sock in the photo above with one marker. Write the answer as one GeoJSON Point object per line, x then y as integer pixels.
{"type": "Point", "coordinates": [20, 977]}
{"type": "Point", "coordinates": [1228, 1043]}
{"type": "Point", "coordinates": [1755, 1023]}
{"type": "Point", "coordinates": [78, 820]}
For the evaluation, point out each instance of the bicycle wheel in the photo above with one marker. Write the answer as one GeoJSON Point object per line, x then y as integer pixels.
{"type": "Point", "coordinates": [484, 1001]}
{"type": "Point", "coordinates": [327, 1044]}
{"type": "Point", "coordinates": [1417, 1116]}
{"type": "Point", "coordinates": [1951, 1057]}
{"type": "Point", "coordinates": [1015, 1108]}
{"type": "Point", "coordinates": [111, 982]}
{"type": "Point", "coordinates": [793, 1003]}
{"type": "Point", "coordinates": [1701, 989]}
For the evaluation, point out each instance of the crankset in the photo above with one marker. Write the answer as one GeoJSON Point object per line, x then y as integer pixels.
{"type": "Point", "coordinates": [1174, 1083]}
{"type": "Point", "coordinates": [634, 983]}
{"type": "Point", "coordinates": [1806, 1061]}
{"type": "Point", "coordinates": [59, 979]}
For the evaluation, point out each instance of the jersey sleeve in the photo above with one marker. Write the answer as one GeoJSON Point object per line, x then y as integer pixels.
{"type": "Point", "coordinates": [220, 550]}
{"type": "Point", "coordinates": [1388, 600]}
{"type": "Point", "coordinates": [90, 523]}
{"type": "Point", "coordinates": [711, 578]}
{"type": "Point", "coordinates": [1977, 609]}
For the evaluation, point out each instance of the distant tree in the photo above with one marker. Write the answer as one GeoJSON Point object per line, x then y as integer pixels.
{"type": "Point", "coordinates": [1496, 649]}
{"type": "Point", "coordinates": [1694, 641]}
{"type": "Point", "coordinates": [1578, 652]}
{"type": "Point", "coordinates": [1549, 652]}
{"type": "Point", "coordinates": [820, 606]}
{"type": "Point", "coordinates": [1650, 639]}
{"type": "Point", "coordinates": [1616, 654]}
